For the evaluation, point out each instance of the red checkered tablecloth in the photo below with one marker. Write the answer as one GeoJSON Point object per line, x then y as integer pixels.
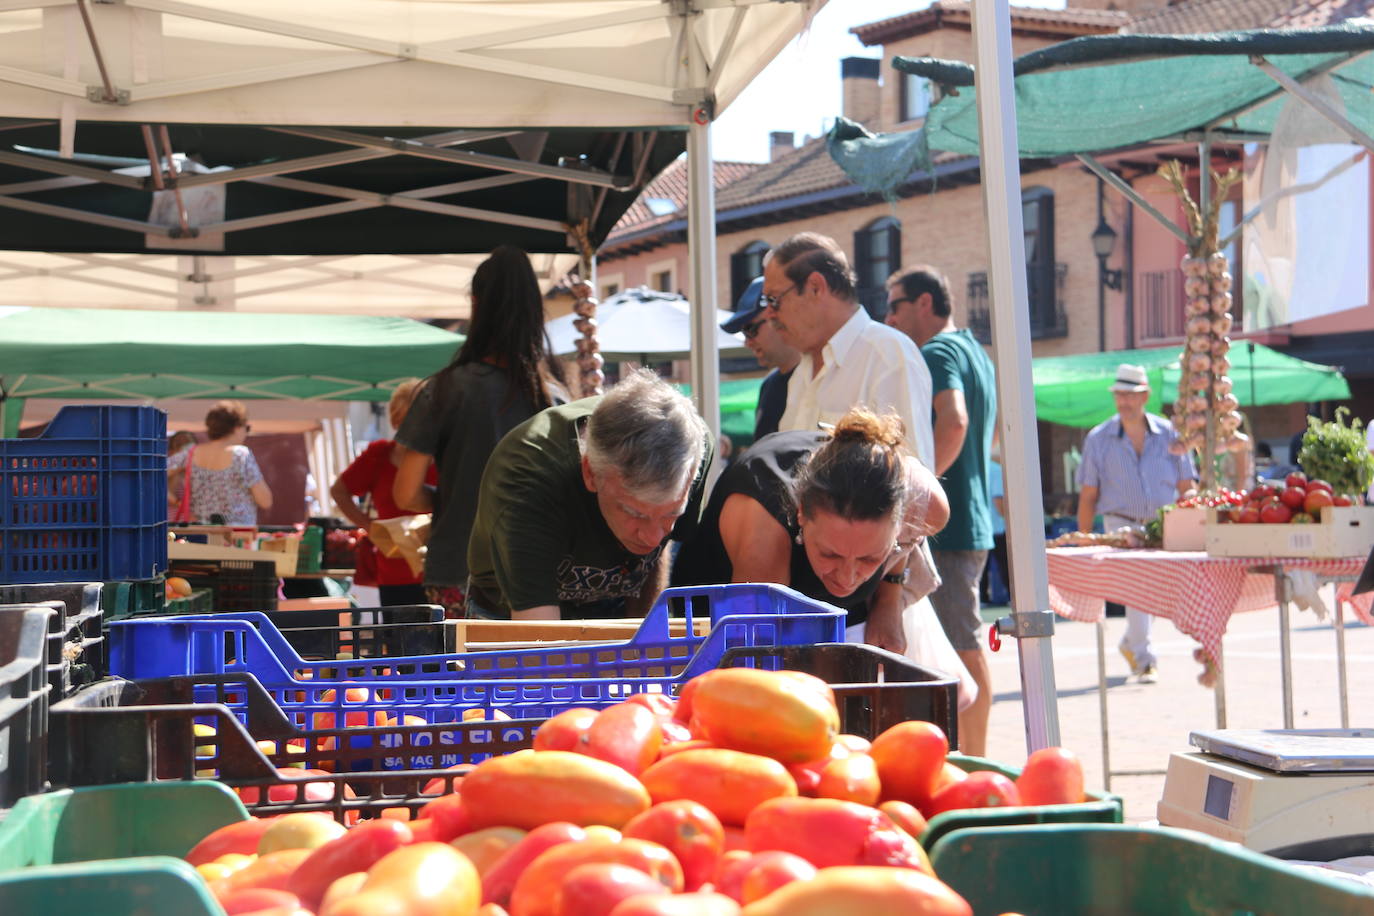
{"type": "Point", "coordinates": [1198, 592]}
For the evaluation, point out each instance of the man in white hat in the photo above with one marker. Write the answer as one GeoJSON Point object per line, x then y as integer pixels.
{"type": "Point", "coordinates": [1127, 474]}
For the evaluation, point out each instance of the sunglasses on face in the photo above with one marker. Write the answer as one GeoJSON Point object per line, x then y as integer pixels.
{"type": "Point", "coordinates": [772, 302]}
{"type": "Point", "coordinates": [752, 330]}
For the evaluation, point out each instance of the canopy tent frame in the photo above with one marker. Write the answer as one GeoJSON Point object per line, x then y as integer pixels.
{"type": "Point", "coordinates": [1031, 622]}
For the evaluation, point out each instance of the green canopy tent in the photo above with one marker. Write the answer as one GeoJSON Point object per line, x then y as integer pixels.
{"type": "Point", "coordinates": [106, 353]}
{"type": "Point", "coordinates": [1072, 390]}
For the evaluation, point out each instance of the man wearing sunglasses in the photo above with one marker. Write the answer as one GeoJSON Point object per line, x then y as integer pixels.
{"type": "Point", "coordinates": [772, 353]}
{"type": "Point", "coordinates": [848, 359]}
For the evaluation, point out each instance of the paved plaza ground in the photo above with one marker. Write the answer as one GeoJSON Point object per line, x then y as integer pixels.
{"type": "Point", "coordinates": [1149, 721]}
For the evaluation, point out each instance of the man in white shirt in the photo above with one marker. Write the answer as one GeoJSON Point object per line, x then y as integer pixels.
{"type": "Point", "coordinates": [848, 359]}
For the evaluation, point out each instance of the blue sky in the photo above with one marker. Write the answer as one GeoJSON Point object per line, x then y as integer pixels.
{"type": "Point", "coordinates": [800, 90]}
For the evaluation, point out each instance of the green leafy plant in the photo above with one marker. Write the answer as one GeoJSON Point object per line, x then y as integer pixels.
{"type": "Point", "coordinates": [1338, 454]}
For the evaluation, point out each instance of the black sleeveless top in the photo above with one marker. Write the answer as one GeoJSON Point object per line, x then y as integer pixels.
{"type": "Point", "coordinates": [765, 473]}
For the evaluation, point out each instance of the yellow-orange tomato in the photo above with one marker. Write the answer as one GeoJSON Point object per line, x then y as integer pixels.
{"type": "Point", "coordinates": [530, 788]}
{"type": "Point", "coordinates": [871, 890]}
{"type": "Point", "coordinates": [424, 879]}
{"type": "Point", "coordinates": [766, 713]}
{"type": "Point", "coordinates": [729, 783]}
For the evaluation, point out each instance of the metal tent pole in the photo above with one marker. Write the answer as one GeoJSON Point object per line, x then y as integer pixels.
{"type": "Point", "coordinates": [1031, 622]}
{"type": "Point", "coordinates": [701, 247]}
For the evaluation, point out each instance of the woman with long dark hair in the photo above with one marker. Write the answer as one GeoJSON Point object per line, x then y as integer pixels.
{"type": "Point", "coordinates": [501, 376]}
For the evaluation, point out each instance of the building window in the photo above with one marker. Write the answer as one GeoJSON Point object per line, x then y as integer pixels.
{"type": "Point", "coordinates": [1045, 279]}
{"type": "Point", "coordinates": [877, 255]}
{"type": "Point", "coordinates": [915, 97]}
{"type": "Point", "coordinates": [609, 289]}
{"type": "Point", "coordinates": [1042, 274]}
{"type": "Point", "coordinates": [745, 265]}
{"type": "Point", "coordinates": [662, 281]}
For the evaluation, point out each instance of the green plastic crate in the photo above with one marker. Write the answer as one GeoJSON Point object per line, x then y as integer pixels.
{"type": "Point", "coordinates": [310, 555]}
{"type": "Point", "coordinates": [200, 601]}
{"type": "Point", "coordinates": [1101, 869]}
{"type": "Point", "coordinates": [112, 850]}
{"type": "Point", "coordinates": [129, 598]}
{"type": "Point", "coordinates": [1100, 808]}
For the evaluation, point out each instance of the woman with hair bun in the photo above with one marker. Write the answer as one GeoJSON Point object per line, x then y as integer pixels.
{"type": "Point", "coordinates": [835, 515]}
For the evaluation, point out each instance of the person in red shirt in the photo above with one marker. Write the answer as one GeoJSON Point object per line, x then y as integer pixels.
{"type": "Point", "coordinates": [372, 474]}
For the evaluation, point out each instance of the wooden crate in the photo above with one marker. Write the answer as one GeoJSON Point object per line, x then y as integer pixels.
{"type": "Point", "coordinates": [1343, 531]}
{"type": "Point", "coordinates": [184, 550]}
{"type": "Point", "coordinates": [1185, 529]}
{"type": "Point", "coordinates": [476, 635]}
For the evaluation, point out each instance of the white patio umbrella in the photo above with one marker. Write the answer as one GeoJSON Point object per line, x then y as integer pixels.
{"type": "Point", "coordinates": [642, 324]}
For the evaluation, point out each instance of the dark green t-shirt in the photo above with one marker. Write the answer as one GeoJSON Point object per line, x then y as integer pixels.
{"type": "Point", "coordinates": [539, 537]}
{"type": "Point", "coordinates": [956, 361]}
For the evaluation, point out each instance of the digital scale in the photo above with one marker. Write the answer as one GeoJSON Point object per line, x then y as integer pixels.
{"type": "Point", "coordinates": [1305, 794]}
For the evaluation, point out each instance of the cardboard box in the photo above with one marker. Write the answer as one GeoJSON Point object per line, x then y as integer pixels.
{"type": "Point", "coordinates": [1185, 529]}
{"type": "Point", "coordinates": [1343, 531]}
{"type": "Point", "coordinates": [183, 550]}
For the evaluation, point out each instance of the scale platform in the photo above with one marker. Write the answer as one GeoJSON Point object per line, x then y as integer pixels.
{"type": "Point", "coordinates": [1284, 792]}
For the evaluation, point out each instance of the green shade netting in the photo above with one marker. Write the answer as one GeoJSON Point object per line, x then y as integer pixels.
{"type": "Point", "coordinates": [110, 353]}
{"type": "Point", "coordinates": [1106, 92]}
{"type": "Point", "coordinates": [1073, 390]}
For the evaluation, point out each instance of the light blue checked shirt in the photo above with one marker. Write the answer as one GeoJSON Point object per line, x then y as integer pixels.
{"type": "Point", "coordinates": [1130, 485]}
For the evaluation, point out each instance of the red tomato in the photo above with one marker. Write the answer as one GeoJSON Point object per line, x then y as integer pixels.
{"type": "Point", "coordinates": [1319, 485]}
{"type": "Point", "coordinates": [565, 730]}
{"type": "Point", "coordinates": [909, 756]}
{"type": "Point", "coordinates": [1250, 515]}
{"type": "Point", "coordinates": [678, 905]}
{"type": "Point", "coordinates": [688, 830]}
{"type": "Point", "coordinates": [768, 871]}
{"type": "Point", "coordinates": [355, 851]}
{"type": "Point", "coordinates": [659, 704]}
{"type": "Point", "coordinates": [535, 892]}
{"type": "Point", "coordinates": [982, 789]}
{"type": "Point", "coordinates": [596, 888]}
{"type": "Point", "coordinates": [1296, 479]}
{"type": "Point", "coordinates": [256, 899]}
{"type": "Point", "coordinates": [1316, 499]}
{"type": "Point", "coordinates": [1275, 513]}
{"type": "Point", "coordinates": [1293, 497]}
{"type": "Point", "coordinates": [1053, 776]}
{"type": "Point", "coordinates": [241, 837]}
{"type": "Point", "coordinates": [627, 735]}
{"type": "Point", "coordinates": [1341, 501]}
{"type": "Point", "coordinates": [499, 880]}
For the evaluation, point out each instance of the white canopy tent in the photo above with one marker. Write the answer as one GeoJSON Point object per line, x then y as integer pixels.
{"type": "Point", "coordinates": [364, 76]}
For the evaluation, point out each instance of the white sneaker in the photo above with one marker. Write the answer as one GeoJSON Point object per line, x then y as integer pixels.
{"type": "Point", "coordinates": [1149, 676]}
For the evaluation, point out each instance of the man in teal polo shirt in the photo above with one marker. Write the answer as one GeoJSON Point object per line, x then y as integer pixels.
{"type": "Point", "coordinates": [964, 408]}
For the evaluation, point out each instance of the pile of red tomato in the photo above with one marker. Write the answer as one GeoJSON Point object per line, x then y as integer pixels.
{"type": "Point", "coordinates": [740, 798]}
{"type": "Point", "coordinates": [1296, 500]}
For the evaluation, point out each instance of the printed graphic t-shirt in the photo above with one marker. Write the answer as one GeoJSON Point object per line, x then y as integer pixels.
{"type": "Point", "coordinates": [539, 537]}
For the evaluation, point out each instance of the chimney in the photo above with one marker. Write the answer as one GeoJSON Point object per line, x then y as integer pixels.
{"type": "Point", "coordinates": [859, 79]}
{"type": "Point", "coordinates": [780, 143]}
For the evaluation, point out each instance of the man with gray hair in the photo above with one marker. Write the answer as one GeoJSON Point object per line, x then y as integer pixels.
{"type": "Point", "coordinates": [578, 503]}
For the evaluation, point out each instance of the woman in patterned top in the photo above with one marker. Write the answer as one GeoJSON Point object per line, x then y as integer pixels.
{"type": "Point", "coordinates": [225, 479]}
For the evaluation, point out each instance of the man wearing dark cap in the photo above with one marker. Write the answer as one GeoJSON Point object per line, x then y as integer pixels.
{"type": "Point", "coordinates": [772, 353]}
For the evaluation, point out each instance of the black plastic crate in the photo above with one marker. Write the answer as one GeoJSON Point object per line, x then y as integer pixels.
{"type": "Point", "coordinates": [76, 646]}
{"type": "Point", "coordinates": [238, 585]}
{"type": "Point", "coordinates": [118, 731]}
{"type": "Point", "coordinates": [875, 689]}
{"type": "Point", "coordinates": [23, 701]}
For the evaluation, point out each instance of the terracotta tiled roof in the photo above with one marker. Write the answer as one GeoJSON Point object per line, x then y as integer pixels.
{"type": "Point", "coordinates": [1066, 22]}
{"type": "Point", "coordinates": [671, 185]}
{"type": "Point", "coordinates": [1193, 16]}
{"type": "Point", "coordinates": [804, 169]}
{"type": "Point", "coordinates": [1310, 14]}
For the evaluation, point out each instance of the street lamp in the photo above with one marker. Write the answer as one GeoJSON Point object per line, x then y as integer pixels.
{"type": "Point", "coordinates": [1104, 242]}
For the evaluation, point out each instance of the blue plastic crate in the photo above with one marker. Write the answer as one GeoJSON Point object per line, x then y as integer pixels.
{"type": "Point", "coordinates": [87, 500]}
{"type": "Point", "coordinates": [741, 615]}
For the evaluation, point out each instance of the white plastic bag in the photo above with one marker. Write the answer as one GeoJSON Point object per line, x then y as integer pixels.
{"type": "Point", "coordinates": [927, 646]}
